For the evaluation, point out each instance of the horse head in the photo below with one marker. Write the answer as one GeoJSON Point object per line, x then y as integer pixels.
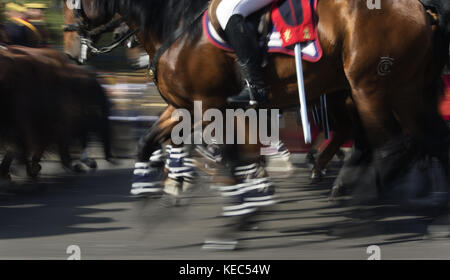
{"type": "Point", "coordinates": [85, 21]}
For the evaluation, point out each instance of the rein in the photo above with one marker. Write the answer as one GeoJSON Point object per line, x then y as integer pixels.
{"type": "Point", "coordinates": [87, 44]}
{"type": "Point", "coordinates": [81, 28]}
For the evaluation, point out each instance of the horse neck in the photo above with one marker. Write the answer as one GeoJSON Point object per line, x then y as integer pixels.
{"type": "Point", "coordinates": [146, 38]}
{"type": "Point", "coordinates": [152, 38]}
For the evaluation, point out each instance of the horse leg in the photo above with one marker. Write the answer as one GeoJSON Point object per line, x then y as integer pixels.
{"type": "Point", "coordinates": [149, 175]}
{"type": "Point", "coordinates": [340, 111]}
{"type": "Point", "coordinates": [356, 165]}
{"type": "Point", "coordinates": [248, 190]}
{"type": "Point", "coordinates": [66, 158]}
{"type": "Point", "coordinates": [84, 157]}
{"type": "Point", "coordinates": [278, 164]}
{"type": "Point", "coordinates": [180, 169]}
{"type": "Point", "coordinates": [310, 159]}
{"type": "Point", "coordinates": [325, 157]}
{"type": "Point", "coordinates": [180, 165]}
{"type": "Point", "coordinates": [33, 167]}
{"type": "Point", "coordinates": [157, 134]}
{"type": "Point", "coordinates": [377, 128]}
{"type": "Point", "coordinates": [6, 165]}
{"type": "Point", "coordinates": [429, 171]}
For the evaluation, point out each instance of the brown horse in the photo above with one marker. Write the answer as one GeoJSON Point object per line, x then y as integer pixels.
{"type": "Point", "coordinates": [390, 59]}
{"type": "Point", "coordinates": [46, 54]}
{"type": "Point", "coordinates": [47, 103]}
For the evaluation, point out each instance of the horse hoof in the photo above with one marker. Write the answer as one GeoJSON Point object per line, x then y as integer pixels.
{"type": "Point", "coordinates": [147, 181]}
{"type": "Point", "coordinates": [310, 160]}
{"type": "Point", "coordinates": [5, 184]}
{"type": "Point", "coordinates": [335, 193]}
{"type": "Point", "coordinates": [5, 177]}
{"type": "Point", "coordinates": [169, 201]}
{"type": "Point", "coordinates": [89, 162]}
{"type": "Point", "coordinates": [316, 177]}
{"type": "Point", "coordinates": [33, 170]}
{"type": "Point", "coordinates": [78, 168]}
{"type": "Point", "coordinates": [340, 155]}
{"type": "Point", "coordinates": [279, 167]}
{"type": "Point", "coordinates": [112, 161]}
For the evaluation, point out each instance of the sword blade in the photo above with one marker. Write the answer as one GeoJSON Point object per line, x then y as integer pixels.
{"type": "Point", "coordinates": [302, 94]}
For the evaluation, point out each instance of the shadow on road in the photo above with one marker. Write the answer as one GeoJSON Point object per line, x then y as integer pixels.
{"type": "Point", "coordinates": [63, 205]}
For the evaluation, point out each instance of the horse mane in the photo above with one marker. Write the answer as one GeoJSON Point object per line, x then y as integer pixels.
{"type": "Point", "coordinates": [162, 17]}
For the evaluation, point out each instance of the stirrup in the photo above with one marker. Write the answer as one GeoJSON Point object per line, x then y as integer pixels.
{"type": "Point", "coordinates": [250, 95]}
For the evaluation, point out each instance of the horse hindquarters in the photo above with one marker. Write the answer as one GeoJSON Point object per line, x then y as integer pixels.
{"type": "Point", "coordinates": [388, 81]}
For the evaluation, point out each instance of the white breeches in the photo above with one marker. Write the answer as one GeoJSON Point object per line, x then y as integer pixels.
{"type": "Point", "coordinates": [228, 8]}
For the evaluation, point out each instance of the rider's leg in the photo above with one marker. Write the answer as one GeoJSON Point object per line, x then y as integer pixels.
{"type": "Point", "coordinates": [231, 15]}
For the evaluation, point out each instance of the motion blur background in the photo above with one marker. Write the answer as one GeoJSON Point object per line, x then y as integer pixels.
{"type": "Point", "coordinates": [136, 102]}
{"type": "Point", "coordinates": [100, 218]}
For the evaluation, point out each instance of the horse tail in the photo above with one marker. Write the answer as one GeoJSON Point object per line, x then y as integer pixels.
{"type": "Point", "coordinates": [437, 131]}
{"type": "Point", "coordinates": [440, 58]}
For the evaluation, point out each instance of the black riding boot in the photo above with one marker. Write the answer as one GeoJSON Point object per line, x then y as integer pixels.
{"type": "Point", "coordinates": [245, 43]}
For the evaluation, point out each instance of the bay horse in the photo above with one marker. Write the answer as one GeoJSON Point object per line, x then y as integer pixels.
{"type": "Point", "coordinates": [391, 67]}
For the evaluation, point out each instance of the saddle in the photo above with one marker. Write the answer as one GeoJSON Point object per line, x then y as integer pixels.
{"type": "Point", "coordinates": [280, 27]}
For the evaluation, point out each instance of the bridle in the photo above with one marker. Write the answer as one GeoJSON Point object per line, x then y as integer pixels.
{"type": "Point", "coordinates": [82, 27]}
{"type": "Point", "coordinates": [87, 34]}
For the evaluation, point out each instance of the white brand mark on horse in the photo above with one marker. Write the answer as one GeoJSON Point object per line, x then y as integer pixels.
{"type": "Point", "coordinates": [385, 66]}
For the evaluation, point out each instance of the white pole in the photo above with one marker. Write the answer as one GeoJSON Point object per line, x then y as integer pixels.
{"type": "Point", "coordinates": [302, 94]}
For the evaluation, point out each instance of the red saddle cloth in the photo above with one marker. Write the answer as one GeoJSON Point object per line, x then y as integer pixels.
{"type": "Point", "coordinates": [295, 20]}
{"type": "Point", "coordinates": [445, 103]}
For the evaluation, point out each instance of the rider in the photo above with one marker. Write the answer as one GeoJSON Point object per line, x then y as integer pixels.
{"type": "Point", "coordinates": [17, 28]}
{"type": "Point", "coordinates": [231, 15]}
{"type": "Point", "coordinates": [36, 16]}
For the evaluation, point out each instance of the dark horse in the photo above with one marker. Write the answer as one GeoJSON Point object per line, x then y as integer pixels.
{"type": "Point", "coordinates": [391, 59]}
{"type": "Point", "coordinates": [60, 60]}
{"type": "Point", "coordinates": [47, 102]}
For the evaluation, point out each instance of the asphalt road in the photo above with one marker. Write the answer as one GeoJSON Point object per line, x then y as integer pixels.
{"type": "Point", "coordinates": [95, 212]}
